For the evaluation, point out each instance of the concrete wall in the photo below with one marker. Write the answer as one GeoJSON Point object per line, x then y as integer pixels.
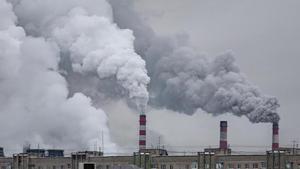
{"type": "Point", "coordinates": [5, 163]}
{"type": "Point", "coordinates": [175, 162]}
{"type": "Point", "coordinates": [241, 162]}
{"type": "Point", "coordinates": [111, 161]}
{"type": "Point", "coordinates": [50, 163]}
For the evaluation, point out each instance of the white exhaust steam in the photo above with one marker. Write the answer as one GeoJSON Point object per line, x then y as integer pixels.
{"type": "Point", "coordinates": [36, 102]}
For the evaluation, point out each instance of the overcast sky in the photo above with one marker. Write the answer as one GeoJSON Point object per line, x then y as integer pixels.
{"type": "Point", "coordinates": [265, 38]}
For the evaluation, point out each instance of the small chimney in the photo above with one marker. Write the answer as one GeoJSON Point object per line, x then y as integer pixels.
{"type": "Point", "coordinates": [1, 152]}
{"type": "Point", "coordinates": [142, 132]}
{"type": "Point", "coordinates": [275, 136]}
{"type": "Point", "coordinates": [223, 135]}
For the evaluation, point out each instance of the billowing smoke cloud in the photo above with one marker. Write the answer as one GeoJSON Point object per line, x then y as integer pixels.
{"type": "Point", "coordinates": [92, 44]}
{"type": "Point", "coordinates": [36, 104]}
{"type": "Point", "coordinates": [184, 81]}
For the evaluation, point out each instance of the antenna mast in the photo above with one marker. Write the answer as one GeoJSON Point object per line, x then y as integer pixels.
{"type": "Point", "coordinates": [102, 141]}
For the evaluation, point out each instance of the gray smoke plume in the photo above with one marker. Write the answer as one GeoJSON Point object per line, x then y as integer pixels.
{"type": "Point", "coordinates": [184, 81]}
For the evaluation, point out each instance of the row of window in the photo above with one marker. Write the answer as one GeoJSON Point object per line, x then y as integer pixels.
{"type": "Point", "coordinates": [164, 166]}
{"type": "Point", "coordinates": [187, 166]}
{"type": "Point", "coordinates": [103, 167]}
{"type": "Point", "coordinates": [69, 166]}
{"type": "Point", "coordinates": [52, 167]}
{"type": "Point", "coordinates": [256, 165]}
{"type": "Point", "coordinates": [246, 165]}
{"type": "Point", "coordinates": [229, 166]}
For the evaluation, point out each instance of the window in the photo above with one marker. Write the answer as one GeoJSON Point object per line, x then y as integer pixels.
{"type": "Point", "coordinates": [99, 167]}
{"type": "Point", "coordinates": [206, 165]}
{"type": "Point", "coordinates": [40, 167]}
{"type": "Point", "coordinates": [194, 165]}
{"type": "Point", "coordinates": [187, 166]}
{"type": "Point", "coordinates": [54, 167]}
{"type": "Point", "coordinates": [298, 166]}
{"type": "Point", "coordinates": [239, 166]}
{"type": "Point", "coordinates": [263, 164]}
{"type": "Point", "coordinates": [171, 166]}
{"type": "Point", "coordinates": [163, 166]}
{"type": "Point", "coordinates": [230, 165]}
{"type": "Point", "coordinates": [61, 167]}
{"type": "Point", "coordinates": [69, 165]}
{"type": "Point", "coordinates": [30, 166]}
{"type": "Point", "coordinates": [255, 165]}
{"type": "Point", "coordinates": [154, 166]}
{"type": "Point", "coordinates": [246, 165]}
{"type": "Point", "coordinates": [220, 165]}
{"type": "Point", "coordinates": [107, 166]}
{"type": "Point", "coordinates": [289, 165]}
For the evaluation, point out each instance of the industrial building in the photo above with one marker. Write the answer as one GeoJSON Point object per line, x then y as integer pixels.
{"type": "Point", "coordinates": [210, 158]}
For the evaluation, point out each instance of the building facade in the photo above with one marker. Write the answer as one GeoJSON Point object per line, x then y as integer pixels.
{"type": "Point", "coordinates": [211, 158]}
{"type": "Point", "coordinates": [157, 159]}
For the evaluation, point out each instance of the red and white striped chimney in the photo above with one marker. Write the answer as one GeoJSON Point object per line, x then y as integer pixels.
{"type": "Point", "coordinates": [142, 132]}
{"type": "Point", "coordinates": [275, 136]}
{"type": "Point", "coordinates": [223, 135]}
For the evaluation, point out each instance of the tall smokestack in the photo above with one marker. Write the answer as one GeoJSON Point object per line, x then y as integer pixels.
{"type": "Point", "coordinates": [142, 132]}
{"type": "Point", "coordinates": [275, 136]}
{"type": "Point", "coordinates": [223, 135]}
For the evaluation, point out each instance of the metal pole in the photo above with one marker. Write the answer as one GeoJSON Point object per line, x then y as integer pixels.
{"type": "Point", "coordinates": [273, 159]}
{"type": "Point", "coordinates": [279, 162]}
{"type": "Point", "coordinates": [102, 139]}
{"type": "Point", "coordinates": [140, 165]}
{"type": "Point", "coordinates": [204, 161]}
{"type": "Point", "coordinates": [209, 160]}
{"type": "Point", "coordinates": [145, 161]}
{"type": "Point", "coordinates": [134, 163]}
{"type": "Point", "coordinates": [198, 160]}
{"type": "Point", "coordinates": [267, 160]}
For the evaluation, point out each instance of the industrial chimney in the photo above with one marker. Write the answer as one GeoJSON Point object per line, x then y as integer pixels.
{"type": "Point", "coordinates": [275, 136]}
{"type": "Point", "coordinates": [223, 135]}
{"type": "Point", "coordinates": [142, 132]}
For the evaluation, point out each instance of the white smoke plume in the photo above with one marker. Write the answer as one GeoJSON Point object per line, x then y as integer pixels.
{"type": "Point", "coordinates": [92, 44]}
{"type": "Point", "coordinates": [36, 104]}
{"type": "Point", "coordinates": [184, 81]}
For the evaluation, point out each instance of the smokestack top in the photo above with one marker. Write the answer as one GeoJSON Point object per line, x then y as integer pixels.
{"type": "Point", "coordinates": [223, 135]}
{"type": "Point", "coordinates": [275, 125]}
{"type": "Point", "coordinates": [223, 124]}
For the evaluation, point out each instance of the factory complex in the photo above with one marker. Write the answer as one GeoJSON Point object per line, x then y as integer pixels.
{"type": "Point", "coordinates": [210, 158]}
